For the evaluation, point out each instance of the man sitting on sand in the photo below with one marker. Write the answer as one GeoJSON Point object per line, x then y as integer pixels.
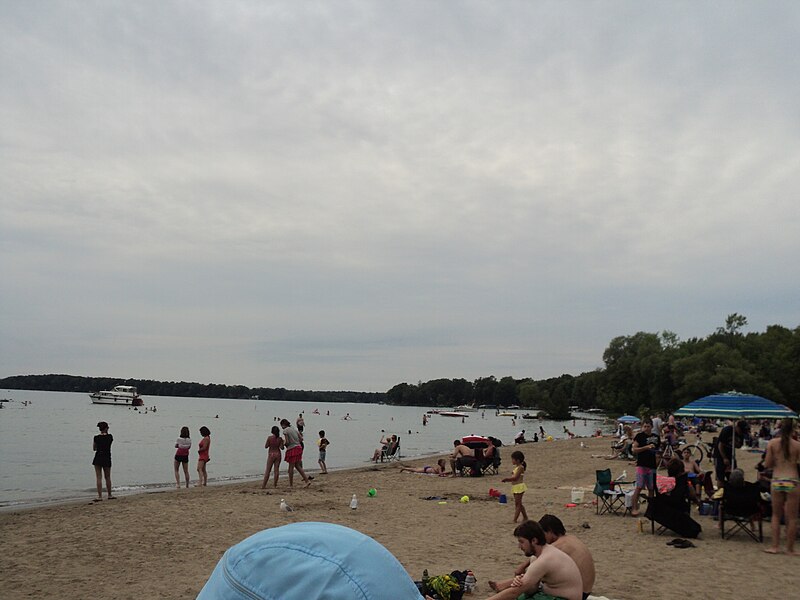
{"type": "Point", "coordinates": [556, 535]}
{"type": "Point", "coordinates": [550, 574]}
{"type": "Point", "coordinates": [459, 450]}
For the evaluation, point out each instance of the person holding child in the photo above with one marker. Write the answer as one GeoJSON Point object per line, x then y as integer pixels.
{"type": "Point", "coordinates": [518, 486]}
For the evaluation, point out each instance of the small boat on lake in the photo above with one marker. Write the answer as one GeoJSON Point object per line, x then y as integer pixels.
{"type": "Point", "coordinates": [453, 413]}
{"type": "Point", "coordinates": [466, 408]}
{"type": "Point", "coordinates": [122, 395]}
{"type": "Point", "coordinates": [506, 414]}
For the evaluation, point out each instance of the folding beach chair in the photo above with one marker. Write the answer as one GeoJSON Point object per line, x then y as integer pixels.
{"type": "Point", "coordinates": [392, 452]}
{"type": "Point", "coordinates": [610, 495]}
{"type": "Point", "coordinates": [740, 506]}
{"type": "Point", "coordinates": [491, 465]}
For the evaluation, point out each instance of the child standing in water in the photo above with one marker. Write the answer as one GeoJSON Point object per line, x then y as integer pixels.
{"type": "Point", "coordinates": [203, 455]}
{"type": "Point", "coordinates": [518, 486]}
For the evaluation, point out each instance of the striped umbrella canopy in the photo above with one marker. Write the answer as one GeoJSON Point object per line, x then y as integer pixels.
{"type": "Point", "coordinates": [733, 405]}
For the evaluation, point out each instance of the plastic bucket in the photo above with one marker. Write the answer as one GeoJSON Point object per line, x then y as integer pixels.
{"type": "Point", "coordinates": [577, 495]}
{"type": "Point", "coordinates": [503, 499]}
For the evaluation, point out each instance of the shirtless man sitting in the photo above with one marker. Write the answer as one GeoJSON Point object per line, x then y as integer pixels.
{"type": "Point", "coordinates": [459, 450]}
{"type": "Point", "coordinates": [556, 535]}
{"type": "Point", "coordinates": [551, 573]}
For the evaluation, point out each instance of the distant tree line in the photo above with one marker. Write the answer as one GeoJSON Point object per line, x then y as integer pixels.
{"type": "Point", "coordinates": [147, 387]}
{"type": "Point", "coordinates": [644, 373]}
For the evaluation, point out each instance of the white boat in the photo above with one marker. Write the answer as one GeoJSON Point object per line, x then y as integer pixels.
{"type": "Point", "coordinates": [506, 414]}
{"type": "Point", "coordinates": [453, 413]}
{"type": "Point", "coordinates": [122, 395]}
{"type": "Point", "coordinates": [466, 408]}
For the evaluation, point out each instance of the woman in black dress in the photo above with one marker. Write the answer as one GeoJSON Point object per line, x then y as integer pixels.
{"type": "Point", "coordinates": [102, 459]}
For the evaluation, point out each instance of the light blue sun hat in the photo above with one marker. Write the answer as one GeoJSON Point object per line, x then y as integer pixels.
{"type": "Point", "coordinates": [309, 561]}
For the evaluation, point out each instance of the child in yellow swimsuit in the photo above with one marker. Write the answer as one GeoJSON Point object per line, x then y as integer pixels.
{"type": "Point", "coordinates": [518, 486]}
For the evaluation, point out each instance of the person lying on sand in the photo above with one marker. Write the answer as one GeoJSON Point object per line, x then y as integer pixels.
{"type": "Point", "coordinates": [439, 469]}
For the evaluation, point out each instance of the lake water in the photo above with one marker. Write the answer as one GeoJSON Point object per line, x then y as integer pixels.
{"type": "Point", "coordinates": [46, 446]}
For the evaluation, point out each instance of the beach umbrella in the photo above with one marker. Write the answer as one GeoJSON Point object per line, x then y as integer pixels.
{"type": "Point", "coordinates": [628, 419]}
{"type": "Point", "coordinates": [734, 405]}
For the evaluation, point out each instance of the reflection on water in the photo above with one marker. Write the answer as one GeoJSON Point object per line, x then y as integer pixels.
{"type": "Point", "coordinates": [46, 447]}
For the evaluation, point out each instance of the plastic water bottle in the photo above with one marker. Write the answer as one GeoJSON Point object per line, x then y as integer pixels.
{"type": "Point", "coordinates": [470, 583]}
{"type": "Point", "coordinates": [624, 475]}
{"type": "Point", "coordinates": [354, 502]}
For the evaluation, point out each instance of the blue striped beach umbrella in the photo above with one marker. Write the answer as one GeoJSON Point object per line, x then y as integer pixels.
{"type": "Point", "coordinates": [733, 405]}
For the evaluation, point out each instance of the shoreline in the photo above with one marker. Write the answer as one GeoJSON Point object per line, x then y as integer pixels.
{"type": "Point", "coordinates": [158, 488]}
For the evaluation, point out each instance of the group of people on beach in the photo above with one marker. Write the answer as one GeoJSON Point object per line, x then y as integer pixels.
{"type": "Point", "coordinates": [182, 446]}
{"type": "Point", "coordinates": [779, 469]}
{"type": "Point", "coordinates": [291, 441]}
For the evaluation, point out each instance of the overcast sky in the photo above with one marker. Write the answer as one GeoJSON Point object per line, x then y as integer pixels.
{"type": "Point", "coordinates": [350, 195]}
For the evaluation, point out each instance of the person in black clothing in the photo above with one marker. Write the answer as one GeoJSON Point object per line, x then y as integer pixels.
{"type": "Point", "coordinates": [102, 459]}
{"type": "Point", "coordinates": [723, 462]}
{"type": "Point", "coordinates": [645, 445]}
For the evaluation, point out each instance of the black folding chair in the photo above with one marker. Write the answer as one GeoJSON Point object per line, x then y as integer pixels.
{"type": "Point", "coordinates": [741, 506]}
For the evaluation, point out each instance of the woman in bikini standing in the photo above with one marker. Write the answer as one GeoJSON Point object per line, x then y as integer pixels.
{"type": "Point", "coordinates": [203, 456]}
{"type": "Point", "coordinates": [783, 456]}
{"type": "Point", "coordinates": [274, 445]}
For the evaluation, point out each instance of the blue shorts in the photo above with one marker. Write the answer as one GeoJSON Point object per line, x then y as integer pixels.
{"type": "Point", "coordinates": [322, 456]}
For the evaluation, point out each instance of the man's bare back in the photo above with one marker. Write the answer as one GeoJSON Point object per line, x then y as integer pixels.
{"type": "Point", "coordinates": [579, 553]}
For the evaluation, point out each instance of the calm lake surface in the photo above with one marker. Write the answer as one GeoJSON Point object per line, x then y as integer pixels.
{"type": "Point", "coordinates": [46, 446]}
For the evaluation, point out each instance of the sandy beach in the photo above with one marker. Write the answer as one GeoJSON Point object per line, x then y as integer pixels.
{"type": "Point", "coordinates": [165, 545]}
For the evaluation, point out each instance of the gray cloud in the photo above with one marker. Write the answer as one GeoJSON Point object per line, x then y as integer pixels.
{"type": "Point", "coordinates": [349, 195]}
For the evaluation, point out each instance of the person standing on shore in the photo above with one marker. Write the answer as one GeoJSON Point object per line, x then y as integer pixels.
{"type": "Point", "coordinates": [203, 456]}
{"type": "Point", "coordinates": [518, 487]}
{"type": "Point", "coordinates": [294, 452]}
{"type": "Point", "coordinates": [323, 444]}
{"type": "Point", "coordinates": [102, 459]}
{"type": "Point", "coordinates": [783, 456]}
{"type": "Point", "coordinates": [301, 424]}
{"type": "Point", "coordinates": [645, 445]}
{"type": "Point", "coordinates": [182, 446]}
{"type": "Point", "coordinates": [274, 445]}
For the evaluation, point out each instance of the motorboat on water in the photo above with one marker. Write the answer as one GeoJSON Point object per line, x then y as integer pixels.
{"type": "Point", "coordinates": [506, 414]}
{"type": "Point", "coordinates": [466, 408]}
{"type": "Point", "coordinates": [122, 395]}
{"type": "Point", "coordinates": [453, 413]}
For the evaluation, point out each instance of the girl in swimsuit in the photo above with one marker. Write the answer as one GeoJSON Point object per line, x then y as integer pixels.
{"type": "Point", "coordinates": [783, 456]}
{"type": "Point", "coordinates": [274, 445]}
{"type": "Point", "coordinates": [437, 470]}
{"type": "Point", "coordinates": [182, 446]}
{"type": "Point", "coordinates": [518, 486]}
{"type": "Point", "coordinates": [203, 455]}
